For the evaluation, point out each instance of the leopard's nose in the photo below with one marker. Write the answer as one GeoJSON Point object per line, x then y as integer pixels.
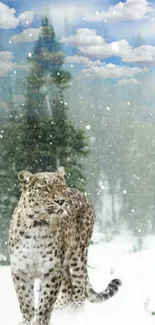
{"type": "Point", "coordinates": [60, 201]}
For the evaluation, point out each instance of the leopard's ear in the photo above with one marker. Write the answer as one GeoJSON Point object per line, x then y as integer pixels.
{"type": "Point", "coordinates": [61, 171]}
{"type": "Point", "coordinates": [24, 176]}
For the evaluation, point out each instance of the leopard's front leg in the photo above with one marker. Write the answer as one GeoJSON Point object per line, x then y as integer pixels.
{"type": "Point", "coordinates": [49, 290]}
{"type": "Point", "coordinates": [24, 286]}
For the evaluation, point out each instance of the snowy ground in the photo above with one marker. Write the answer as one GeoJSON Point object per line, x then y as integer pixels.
{"type": "Point", "coordinates": [115, 259]}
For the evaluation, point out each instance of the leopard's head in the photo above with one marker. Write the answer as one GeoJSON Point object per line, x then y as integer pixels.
{"type": "Point", "coordinates": [43, 191]}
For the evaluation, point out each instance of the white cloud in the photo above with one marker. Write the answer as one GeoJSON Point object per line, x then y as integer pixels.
{"type": "Point", "coordinates": [84, 37]}
{"type": "Point", "coordinates": [7, 17]}
{"type": "Point", "coordinates": [28, 35]}
{"type": "Point", "coordinates": [9, 20]}
{"type": "Point", "coordinates": [128, 82]}
{"type": "Point", "coordinates": [119, 48]}
{"type": "Point", "coordinates": [26, 18]}
{"type": "Point", "coordinates": [130, 10]}
{"type": "Point", "coordinates": [76, 59]}
{"type": "Point", "coordinates": [144, 54]}
{"type": "Point", "coordinates": [8, 64]}
{"type": "Point", "coordinates": [110, 71]}
{"type": "Point", "coordinates": [94, 46]}
{"type": "Point", "coordinates": [6, 56]}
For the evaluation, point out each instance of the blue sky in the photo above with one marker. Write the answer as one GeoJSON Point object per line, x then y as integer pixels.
{"type": "Point", "coordinates": [102, 40]}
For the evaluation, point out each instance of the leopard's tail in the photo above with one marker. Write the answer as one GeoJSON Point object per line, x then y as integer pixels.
{"type": "Point", "coordinates": [109, 292]}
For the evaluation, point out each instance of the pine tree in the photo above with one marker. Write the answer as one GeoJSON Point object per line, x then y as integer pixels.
{"type": "Point", "coordinates": [49, 138]}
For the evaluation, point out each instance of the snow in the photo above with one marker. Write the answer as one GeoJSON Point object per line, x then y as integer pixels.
{"type": "Point", "coordinates": [106, 261]}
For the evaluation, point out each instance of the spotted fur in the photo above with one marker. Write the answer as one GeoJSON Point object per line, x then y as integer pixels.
{"type": "Point", "coordinates": [49, 236]}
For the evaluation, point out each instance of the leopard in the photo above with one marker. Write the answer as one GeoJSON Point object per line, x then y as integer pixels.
{"type": "Point", "coordinates": [49, 236]}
